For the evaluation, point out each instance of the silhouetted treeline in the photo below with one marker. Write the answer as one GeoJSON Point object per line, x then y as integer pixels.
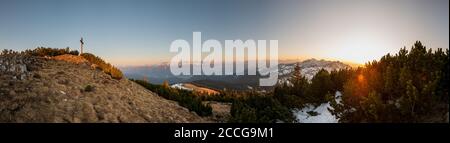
{"type": "Point", "coordinates": [259, 108]}
{"type": "Point", "coordinates": [410, 86]}
{"type": "Point", "coordinates": [43, 51]}
{"type": "Point", "coordinates": [298, 91]}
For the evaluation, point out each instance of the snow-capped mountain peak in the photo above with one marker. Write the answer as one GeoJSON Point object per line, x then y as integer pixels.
{"type": "Point", "coordinates": [309, 68]}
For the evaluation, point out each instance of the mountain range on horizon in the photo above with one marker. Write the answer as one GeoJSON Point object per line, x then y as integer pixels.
{"type": "Point", "coordinates": [159, 73]}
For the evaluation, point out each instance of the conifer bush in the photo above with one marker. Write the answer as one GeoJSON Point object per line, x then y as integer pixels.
{"type": "Point", "coordinates": [184, 98]}
{"type": "Point", "coordinates": [410, 86]}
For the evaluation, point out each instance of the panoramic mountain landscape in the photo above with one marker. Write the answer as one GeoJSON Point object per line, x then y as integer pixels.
{"type": "Point", "coordinates": [60, 85]}
{"type": "Point", "coordinates": [248, 71]}
{"type": "Point", "coordinates": [294, 61]}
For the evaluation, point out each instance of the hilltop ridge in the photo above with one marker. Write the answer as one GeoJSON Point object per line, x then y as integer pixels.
{"type": "Point", "coordinates": [58, 89]}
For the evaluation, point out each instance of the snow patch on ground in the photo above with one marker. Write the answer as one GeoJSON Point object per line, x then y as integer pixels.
{"type": "Point", "coordinates": [323, 116]}
{"type": "Point", "coordinates": [181, 86]}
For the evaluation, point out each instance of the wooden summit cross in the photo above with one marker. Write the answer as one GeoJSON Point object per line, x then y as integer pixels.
{"type": "Point", "coordinates": [82, 43]}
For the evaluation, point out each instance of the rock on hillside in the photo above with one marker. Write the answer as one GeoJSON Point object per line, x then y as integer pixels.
{"type": "Point", "coordinates": [35, 89]}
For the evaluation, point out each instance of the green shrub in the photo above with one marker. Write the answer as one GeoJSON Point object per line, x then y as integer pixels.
{"type": "Point", "coordinates": [259, 109]}
{"type": "Point", "coordinates": [410, 86]}
{"type": "Point", "coordinates": [88, 88]}
{"type": "Point", "coordinates": [184, 98]}
{"type": "Point", "coordinates": [223, 96]}
{"type": "Point", "coordinates": [312, 113]}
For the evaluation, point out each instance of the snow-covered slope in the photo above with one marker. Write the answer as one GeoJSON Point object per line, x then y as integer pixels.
{"type": "Point", "coordinates": [323, 114]}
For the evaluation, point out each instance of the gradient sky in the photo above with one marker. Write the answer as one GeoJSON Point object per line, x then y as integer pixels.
{"type": "Point", "coordinates": [137, 32]}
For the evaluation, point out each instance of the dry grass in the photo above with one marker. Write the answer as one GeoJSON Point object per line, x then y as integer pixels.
{"type": "Point", "coordinates": [200, 89]}
{"type": "Point", "coordinates": [70, 58]}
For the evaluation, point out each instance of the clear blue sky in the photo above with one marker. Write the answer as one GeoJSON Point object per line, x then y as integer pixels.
{"type": "Point", "coordinates": [133, 32]}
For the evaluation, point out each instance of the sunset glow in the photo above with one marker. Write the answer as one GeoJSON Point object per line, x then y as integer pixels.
{"type": "Point", "coordinates": [140, 32]}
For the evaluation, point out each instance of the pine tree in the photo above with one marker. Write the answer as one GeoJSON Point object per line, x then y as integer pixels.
{"type": "Point", "coordinates": [296, 74]}
{"type": "Point", "coordinates": [408, 87]}
{"type": "Point", "coordinates": [321, 85]}
{"type": "Point", "coordinates": [299, 82]}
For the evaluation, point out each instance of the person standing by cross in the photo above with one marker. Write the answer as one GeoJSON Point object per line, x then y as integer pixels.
{"type": "Point", "coordinates": [82, 43]}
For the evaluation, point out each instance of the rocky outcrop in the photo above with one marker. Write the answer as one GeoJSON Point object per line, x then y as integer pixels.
{"type": "Point", "coordinates": [17, 66]}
